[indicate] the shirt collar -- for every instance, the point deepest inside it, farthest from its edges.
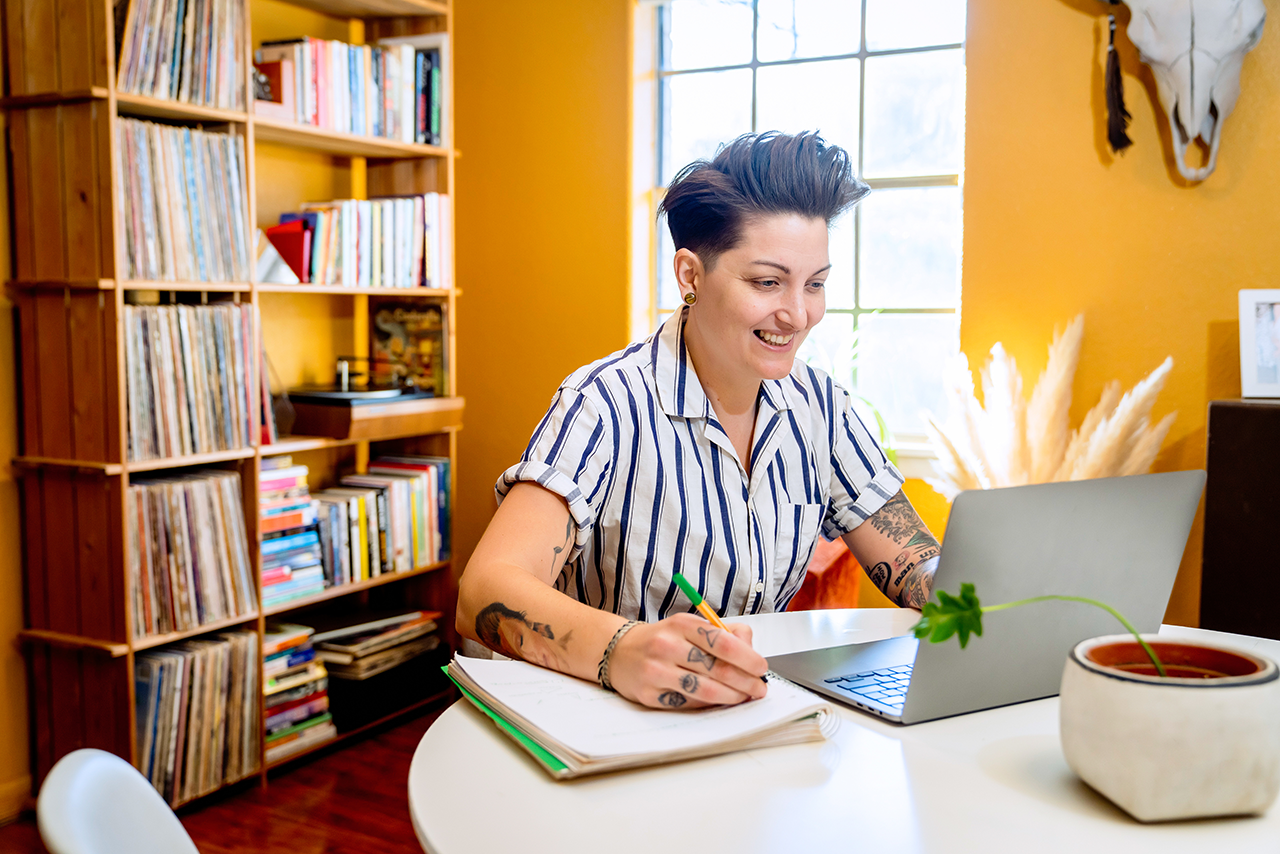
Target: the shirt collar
(679, 390)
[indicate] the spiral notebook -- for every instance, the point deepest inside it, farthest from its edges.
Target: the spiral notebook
(574, 728)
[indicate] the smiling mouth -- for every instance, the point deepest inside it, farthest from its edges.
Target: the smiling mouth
(773, 338)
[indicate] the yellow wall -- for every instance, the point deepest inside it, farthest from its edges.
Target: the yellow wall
(542, 116)
(1055, 226)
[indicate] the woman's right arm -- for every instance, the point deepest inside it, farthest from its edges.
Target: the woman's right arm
(506, 601)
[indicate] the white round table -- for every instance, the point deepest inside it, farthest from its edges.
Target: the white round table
(990, 781)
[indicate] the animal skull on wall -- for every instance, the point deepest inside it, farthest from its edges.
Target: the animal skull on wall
(1195, 49)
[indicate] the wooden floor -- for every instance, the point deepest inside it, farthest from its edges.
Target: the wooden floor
(350, 801)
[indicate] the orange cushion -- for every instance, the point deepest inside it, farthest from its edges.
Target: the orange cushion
(831, 580)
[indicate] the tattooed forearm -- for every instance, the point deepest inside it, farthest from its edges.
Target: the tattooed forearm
(673, 699)
(697, 656)
(513, 634)
(918, 585)
(879, 575)
(897, 519)
(922, 537)
(689, 683)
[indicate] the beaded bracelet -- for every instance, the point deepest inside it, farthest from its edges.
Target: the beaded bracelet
(602, 672)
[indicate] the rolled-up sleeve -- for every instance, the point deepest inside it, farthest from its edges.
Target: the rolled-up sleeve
(570, 454)
(862, 478)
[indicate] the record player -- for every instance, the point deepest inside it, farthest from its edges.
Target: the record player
(356, 406)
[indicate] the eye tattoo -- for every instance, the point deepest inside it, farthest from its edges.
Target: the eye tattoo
(689, 683)
(674, 699)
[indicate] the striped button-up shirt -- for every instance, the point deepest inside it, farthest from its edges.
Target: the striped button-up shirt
(654, 485)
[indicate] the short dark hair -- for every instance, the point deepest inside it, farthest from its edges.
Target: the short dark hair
(489, 623)
(709, 202)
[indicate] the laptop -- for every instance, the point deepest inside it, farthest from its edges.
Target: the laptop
(1118, 540)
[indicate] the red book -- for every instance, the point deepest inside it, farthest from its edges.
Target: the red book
(292, 241)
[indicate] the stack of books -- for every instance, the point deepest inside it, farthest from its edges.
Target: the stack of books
(183, 50)
(187, 371)
(360, 651)
(395, 242)
(296, 691)
(197, 722)
(291, 549)
(393, 91)
(187, 552)
(183, 203)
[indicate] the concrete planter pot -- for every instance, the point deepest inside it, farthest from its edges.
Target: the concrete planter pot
(1204, 742)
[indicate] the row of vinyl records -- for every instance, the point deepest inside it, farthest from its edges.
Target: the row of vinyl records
(381, 243)
(188, 549)
(393, 519)
(391, 90)
(182, 50)
(186, 372)
(197, 714)
(183, 202)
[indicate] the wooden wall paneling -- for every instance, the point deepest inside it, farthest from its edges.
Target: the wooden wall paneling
(39, 27)
(85, 208)
(93, 410)
(39, 701)
(27, 370)
(23, 223)
(61, 530)
(103, 686)
(67, 712)
(52, 389)
(98, 573)
(48, 246)
(37, 575)
(78, 50)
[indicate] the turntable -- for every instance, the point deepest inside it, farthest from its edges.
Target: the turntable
(357, 407)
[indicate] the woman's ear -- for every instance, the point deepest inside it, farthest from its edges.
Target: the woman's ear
(689, 273)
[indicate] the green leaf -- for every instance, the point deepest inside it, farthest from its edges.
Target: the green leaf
(951, 615)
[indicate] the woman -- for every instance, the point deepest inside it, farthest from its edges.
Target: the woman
(707, 450)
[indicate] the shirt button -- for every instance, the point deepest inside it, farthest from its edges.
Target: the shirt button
(759, 586)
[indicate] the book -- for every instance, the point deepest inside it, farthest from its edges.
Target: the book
(365, 667)
(575, 728)
(345, 649)
(408, 337)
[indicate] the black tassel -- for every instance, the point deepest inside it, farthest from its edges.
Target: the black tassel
(1117, 116)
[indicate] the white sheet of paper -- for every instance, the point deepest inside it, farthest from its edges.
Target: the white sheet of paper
(599, 723)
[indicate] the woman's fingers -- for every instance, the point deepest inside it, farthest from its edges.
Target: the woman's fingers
(684, 662)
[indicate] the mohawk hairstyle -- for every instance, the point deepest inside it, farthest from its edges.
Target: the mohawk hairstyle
(757, 174)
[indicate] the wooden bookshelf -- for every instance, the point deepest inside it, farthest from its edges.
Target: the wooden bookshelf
(70, 282)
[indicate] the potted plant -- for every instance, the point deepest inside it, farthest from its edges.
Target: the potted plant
(1163, 729)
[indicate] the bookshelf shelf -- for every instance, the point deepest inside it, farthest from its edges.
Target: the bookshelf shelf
(374, 8)
(438, 697)
(152, 641)
(353, 587)
(89, 337)
(334, 142)
(423, 293)
(141, 105)
(199, 287)
(191, 460)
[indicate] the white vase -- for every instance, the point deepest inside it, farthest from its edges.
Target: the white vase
(1173, 748)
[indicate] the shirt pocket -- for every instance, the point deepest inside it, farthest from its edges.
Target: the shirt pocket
(798, 526)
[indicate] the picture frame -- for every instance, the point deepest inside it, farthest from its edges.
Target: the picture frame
(1260, 343)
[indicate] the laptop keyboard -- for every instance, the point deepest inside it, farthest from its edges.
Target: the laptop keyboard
(887, 686)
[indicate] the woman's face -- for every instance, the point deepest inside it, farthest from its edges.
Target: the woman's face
(758, 303)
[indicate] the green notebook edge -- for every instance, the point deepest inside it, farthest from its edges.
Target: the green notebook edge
(548, 759)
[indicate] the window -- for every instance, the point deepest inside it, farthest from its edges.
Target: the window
(885, 80)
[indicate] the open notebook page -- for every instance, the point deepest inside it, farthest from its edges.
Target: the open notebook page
(598, 723)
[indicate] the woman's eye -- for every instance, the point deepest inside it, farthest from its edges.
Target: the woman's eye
(767, 283)
(817, 285)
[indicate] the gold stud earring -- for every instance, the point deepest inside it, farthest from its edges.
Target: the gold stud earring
(690, 298)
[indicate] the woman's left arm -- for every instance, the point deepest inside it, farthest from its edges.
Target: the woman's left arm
(897, 552)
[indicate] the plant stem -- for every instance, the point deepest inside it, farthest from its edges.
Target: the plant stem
(1151, 653)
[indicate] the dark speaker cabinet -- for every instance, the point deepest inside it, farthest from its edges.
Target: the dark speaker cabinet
(1240, 580)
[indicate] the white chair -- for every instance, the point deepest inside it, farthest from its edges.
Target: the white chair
(93, 802)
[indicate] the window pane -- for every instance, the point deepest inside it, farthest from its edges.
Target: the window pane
(703, 33)
(915, 114)
(704, 111)
(811, 96)
(893, 24)
(830, 347)
(794, 29)
(900, 363)
(911, 248)
(668, 291)
(840, 251)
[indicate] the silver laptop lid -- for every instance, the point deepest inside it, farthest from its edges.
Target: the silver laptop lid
(1119, 540)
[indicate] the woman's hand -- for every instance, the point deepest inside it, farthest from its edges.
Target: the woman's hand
(685, 662)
